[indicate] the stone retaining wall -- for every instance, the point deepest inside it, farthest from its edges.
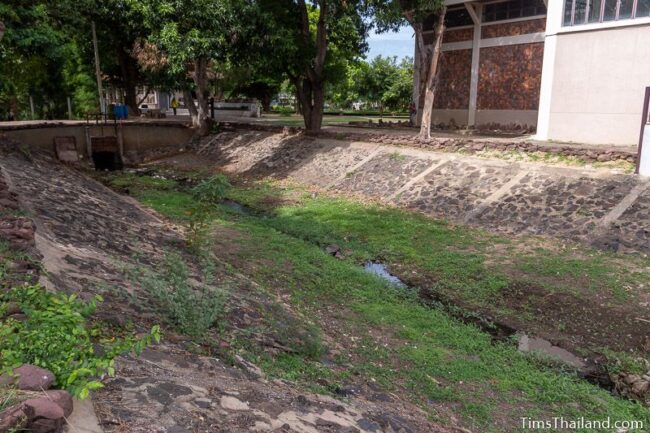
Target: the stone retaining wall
(606, 209)
(464, 145)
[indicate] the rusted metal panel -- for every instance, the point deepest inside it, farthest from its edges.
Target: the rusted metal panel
(66, 149)
(104, 144)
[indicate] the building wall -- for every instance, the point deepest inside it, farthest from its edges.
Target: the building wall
(509, 71)
(455, 76)
(514, 28)
(598, 85)
(510, 77)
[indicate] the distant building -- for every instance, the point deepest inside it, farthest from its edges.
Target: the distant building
(575, 69)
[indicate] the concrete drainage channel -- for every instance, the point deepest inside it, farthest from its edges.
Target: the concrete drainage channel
(586, 369)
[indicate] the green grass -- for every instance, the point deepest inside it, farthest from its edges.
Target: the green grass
(555, 158)
(461, 357)
(133, 180)
(429, 355)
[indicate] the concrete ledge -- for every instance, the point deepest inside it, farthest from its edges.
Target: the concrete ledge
(455, 144)
(139, 138)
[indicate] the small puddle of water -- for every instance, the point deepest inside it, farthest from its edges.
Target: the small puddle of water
(379, 269)
(526, 343)
(530, 344)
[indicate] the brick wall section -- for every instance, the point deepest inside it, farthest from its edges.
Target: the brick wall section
(513, 29)
(455, 77)
(510, 77)
(458, 35)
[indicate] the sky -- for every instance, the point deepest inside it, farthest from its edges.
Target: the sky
(400, 44)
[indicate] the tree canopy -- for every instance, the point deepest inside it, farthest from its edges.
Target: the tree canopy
(206, 48)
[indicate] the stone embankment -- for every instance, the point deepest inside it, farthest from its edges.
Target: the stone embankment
(37, 408)
(598, 206)
(466, 145)
(88, 235)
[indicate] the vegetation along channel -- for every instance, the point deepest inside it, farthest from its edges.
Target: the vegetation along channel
(415, 296)
(324, 216)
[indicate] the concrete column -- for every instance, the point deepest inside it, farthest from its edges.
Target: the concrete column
(31, 106)
(416, 76)
(89, 147)
(553, 25)
(476, 14)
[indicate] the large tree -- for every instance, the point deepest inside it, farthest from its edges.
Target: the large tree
(119, 28)
(39, 62)
(395, 13)
(307, 41)
(193, 35)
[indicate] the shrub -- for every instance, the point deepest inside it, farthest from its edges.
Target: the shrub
(207, 194)
(190, 308)
(212, 190)
(56, 336)
(283, 110)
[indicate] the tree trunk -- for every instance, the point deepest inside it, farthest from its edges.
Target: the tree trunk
(202, 122)
(431, 76)
(189, 104)
(312, 90)
(417, 63)
(144, 98)
(304, 93)
(317, 109)
(421, 63)
(130, 78)
(265, 100)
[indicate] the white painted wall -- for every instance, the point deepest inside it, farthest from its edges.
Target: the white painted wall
(597, 85)
(507, 117)
(446, 116)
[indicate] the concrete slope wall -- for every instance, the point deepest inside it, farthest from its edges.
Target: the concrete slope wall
(610, 211)
(138, 138)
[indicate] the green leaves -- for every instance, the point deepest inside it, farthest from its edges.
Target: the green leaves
(212, 190)
(56, 336)
(188, 306)
(189, 29)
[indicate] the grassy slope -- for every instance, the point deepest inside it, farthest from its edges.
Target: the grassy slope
(405, 347)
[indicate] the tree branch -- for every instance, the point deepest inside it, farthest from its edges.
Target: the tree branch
(146, 94)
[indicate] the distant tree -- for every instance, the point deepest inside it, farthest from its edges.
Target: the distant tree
(374, 81)
(307, 42)
(399, 93)
(38, 58)
(382, 82)
(193, 35)
(119, 25)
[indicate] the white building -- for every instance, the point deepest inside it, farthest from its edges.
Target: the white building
(575, 69)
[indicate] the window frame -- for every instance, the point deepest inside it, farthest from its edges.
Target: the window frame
(601, 16)
(520, 17)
